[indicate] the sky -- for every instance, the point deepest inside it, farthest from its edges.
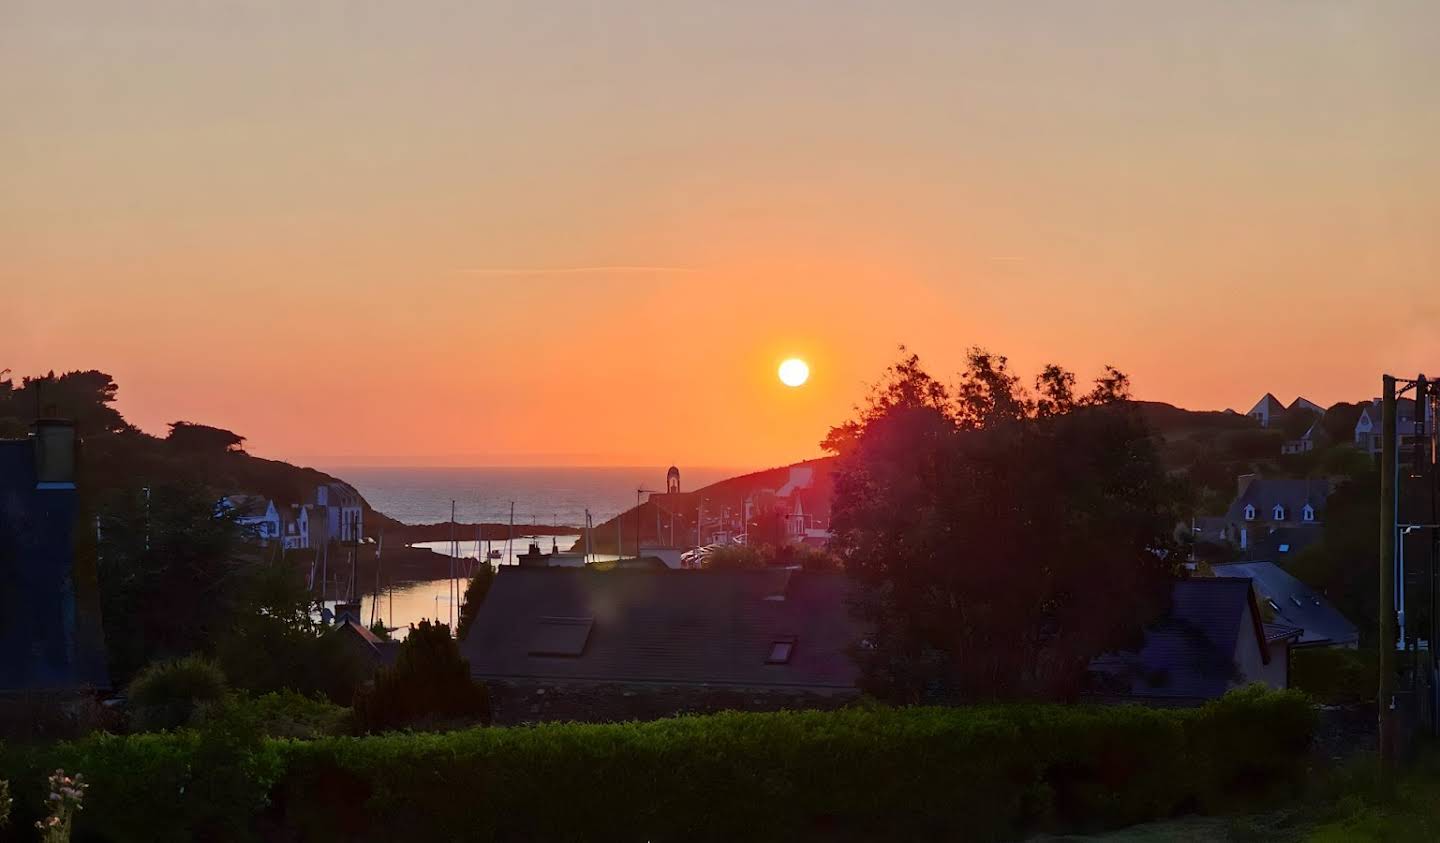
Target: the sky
(576, 233)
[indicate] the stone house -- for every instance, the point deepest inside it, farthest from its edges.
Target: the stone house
(575, 644)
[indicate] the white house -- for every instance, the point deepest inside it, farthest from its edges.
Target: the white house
(256, 515)
(1368, 429)
(344, 511)
(1266, 410)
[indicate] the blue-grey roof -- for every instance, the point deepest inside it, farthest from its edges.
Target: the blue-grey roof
(1190, 653)
(1284, 542)
(663, 626)
(1264, 493)
(1295, 603)
(41, 646)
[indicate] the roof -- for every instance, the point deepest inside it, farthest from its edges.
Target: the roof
(248, 505)
(1264, 493)
(1282, 543)
(682, 627)
(1190, 653)
(1268, 404)
(1303, 403)
(1295, 603)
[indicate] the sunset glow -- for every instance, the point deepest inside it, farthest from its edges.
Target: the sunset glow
(549, 234)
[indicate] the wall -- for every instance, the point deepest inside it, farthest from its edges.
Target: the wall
(514, 702)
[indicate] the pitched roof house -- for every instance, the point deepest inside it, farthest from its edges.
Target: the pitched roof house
(50, 637)
(1295, 604)
(1266, 410)
(1213, 639)
(1264, 505)
(676, 635)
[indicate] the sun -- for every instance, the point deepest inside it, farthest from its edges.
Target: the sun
(794, 372)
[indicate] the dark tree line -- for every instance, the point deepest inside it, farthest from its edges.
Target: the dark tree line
(1003, 536)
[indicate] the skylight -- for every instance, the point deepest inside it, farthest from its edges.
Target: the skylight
(780, 651)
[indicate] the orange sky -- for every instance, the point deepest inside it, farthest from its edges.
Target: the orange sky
(559, 233)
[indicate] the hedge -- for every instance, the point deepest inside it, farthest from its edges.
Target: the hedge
(977, 773)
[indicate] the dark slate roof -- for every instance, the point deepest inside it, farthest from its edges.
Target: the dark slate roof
(1263, 493)
(1296, 604)
(49, 631)
(1284, 542)
(1190, 653)
(686, 627)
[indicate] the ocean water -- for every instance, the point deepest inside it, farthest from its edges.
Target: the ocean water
(542, 495)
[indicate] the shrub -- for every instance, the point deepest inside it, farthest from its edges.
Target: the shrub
(4, 803)
(866, 772)
(286, 714)
(167, 695)
(429, 682)
(1336, 676)
(43, 716)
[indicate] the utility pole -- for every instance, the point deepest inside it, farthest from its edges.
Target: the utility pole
(1389, 487)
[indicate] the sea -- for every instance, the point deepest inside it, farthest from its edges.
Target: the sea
(542, 495)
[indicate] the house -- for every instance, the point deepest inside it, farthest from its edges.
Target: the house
(575, 644)
(1266, 410)
(365, 646)
(1301, 403)
(255, 514)
(1313, 438)
(1369, 430)
(344, 511)
(802, 504)
(1295, 604)
(304, 527)
(50, 635)
(1213, 639)
(1263, 505)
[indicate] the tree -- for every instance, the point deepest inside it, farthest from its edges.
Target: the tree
(203, 439)
(475, 592)
(736, 558)
(429, 682)
(168, 570)
(1001, 540)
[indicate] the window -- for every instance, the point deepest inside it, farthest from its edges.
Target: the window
(1284, 548)
(563, 637)
(1308, 513)
(1278, 513)
(780, 651)
(1249, 512)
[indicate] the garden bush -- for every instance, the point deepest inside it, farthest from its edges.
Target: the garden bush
(979, 773)
(1336, 676)
(168, 694)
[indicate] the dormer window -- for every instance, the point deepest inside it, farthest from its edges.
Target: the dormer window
(1278, 513)
(1249, 512)
(1308, 513)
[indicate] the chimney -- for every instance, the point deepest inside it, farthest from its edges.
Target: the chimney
(54, 453)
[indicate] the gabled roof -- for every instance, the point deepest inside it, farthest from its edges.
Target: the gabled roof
(1268, 404)
(1190, 653)
(1284, 543)
(1293, 494)
(681, 627)
(1303, 403)
(1295, 604)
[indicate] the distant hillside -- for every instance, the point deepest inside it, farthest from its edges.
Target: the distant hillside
(117, 456)
(655, 517)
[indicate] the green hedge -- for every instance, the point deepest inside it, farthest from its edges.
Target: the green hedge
(992, 772)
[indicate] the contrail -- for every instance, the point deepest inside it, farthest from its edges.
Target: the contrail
(575, 270)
